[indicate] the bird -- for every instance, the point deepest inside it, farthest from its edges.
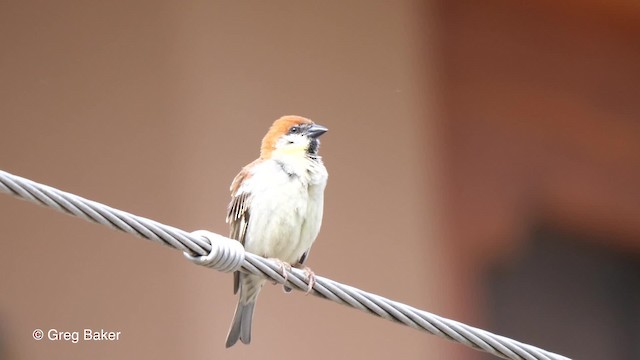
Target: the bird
(276, 208)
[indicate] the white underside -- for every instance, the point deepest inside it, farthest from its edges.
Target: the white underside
(292, 204)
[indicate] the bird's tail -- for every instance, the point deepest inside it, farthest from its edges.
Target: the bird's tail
(241, 325)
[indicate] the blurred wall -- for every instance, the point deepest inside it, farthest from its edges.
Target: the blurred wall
(153, 107)
(542, 166)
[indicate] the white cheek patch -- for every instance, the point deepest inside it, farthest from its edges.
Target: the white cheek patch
(293, 143)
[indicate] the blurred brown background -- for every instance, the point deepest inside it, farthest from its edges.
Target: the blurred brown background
(484, 163)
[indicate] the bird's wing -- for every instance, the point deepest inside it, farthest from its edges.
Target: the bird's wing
(238, 216)
(238, 212)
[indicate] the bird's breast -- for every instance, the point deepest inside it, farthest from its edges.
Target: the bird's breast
(286, 212)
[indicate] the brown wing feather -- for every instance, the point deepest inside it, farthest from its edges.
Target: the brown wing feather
(238, 213)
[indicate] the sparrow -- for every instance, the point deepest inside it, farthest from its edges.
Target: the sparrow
(276, 208)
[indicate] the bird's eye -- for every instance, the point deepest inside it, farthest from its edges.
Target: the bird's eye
(294, 130)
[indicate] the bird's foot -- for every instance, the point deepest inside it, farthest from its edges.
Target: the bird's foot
(311, 279)
(284, 269)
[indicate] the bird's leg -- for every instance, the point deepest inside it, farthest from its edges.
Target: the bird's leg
(311, 278)
(284, 268)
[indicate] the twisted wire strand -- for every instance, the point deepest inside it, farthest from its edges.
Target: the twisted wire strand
(223, 254)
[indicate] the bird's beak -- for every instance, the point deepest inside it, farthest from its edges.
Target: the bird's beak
(316, 130)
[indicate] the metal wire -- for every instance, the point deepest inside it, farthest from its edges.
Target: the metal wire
(224, 254)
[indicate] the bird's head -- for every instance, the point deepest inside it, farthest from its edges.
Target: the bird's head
(292, 135)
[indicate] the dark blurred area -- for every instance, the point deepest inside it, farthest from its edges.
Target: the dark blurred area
(484, 162)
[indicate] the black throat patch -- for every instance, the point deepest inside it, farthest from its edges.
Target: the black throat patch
(314, 145)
